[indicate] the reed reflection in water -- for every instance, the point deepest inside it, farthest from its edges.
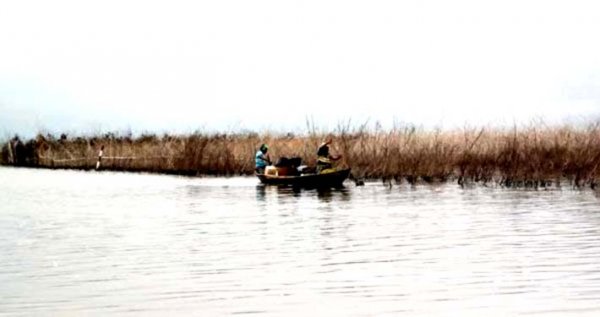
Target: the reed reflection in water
(133, 244)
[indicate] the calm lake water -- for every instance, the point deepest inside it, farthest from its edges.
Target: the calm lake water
(85, 243)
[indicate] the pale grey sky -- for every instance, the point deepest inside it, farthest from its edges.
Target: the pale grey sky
(85, 66)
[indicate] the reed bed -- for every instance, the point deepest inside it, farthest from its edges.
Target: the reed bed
(535, 155)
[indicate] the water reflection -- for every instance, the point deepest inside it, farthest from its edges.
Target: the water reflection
(329, 194)
(326, 195)
(261, 193)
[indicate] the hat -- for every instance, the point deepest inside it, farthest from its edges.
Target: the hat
(326, 142)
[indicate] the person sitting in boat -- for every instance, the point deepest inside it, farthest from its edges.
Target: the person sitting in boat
(324, 159)
(262, 159)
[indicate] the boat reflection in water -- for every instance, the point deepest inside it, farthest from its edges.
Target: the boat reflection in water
(324, 194)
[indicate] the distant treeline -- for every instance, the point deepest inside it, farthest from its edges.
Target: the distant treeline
(535, 155)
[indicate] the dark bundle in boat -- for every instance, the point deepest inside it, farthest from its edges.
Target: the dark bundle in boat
(288, 166)
(289, 162)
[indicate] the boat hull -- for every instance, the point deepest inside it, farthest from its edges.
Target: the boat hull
(328, 180)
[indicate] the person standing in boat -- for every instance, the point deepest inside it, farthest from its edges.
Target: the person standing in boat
(262, 159)
(100, 153)
(324, 159)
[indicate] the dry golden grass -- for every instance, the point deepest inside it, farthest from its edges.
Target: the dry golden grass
(525, 156)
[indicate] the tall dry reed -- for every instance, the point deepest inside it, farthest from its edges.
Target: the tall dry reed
(534, 155)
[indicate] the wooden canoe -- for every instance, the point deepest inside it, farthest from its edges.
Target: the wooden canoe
(325, 180)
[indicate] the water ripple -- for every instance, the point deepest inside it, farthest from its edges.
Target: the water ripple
(133, 244)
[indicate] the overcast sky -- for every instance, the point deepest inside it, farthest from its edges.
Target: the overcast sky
(85, 66)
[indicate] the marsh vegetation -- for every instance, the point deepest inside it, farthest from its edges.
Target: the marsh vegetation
(535, 155)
